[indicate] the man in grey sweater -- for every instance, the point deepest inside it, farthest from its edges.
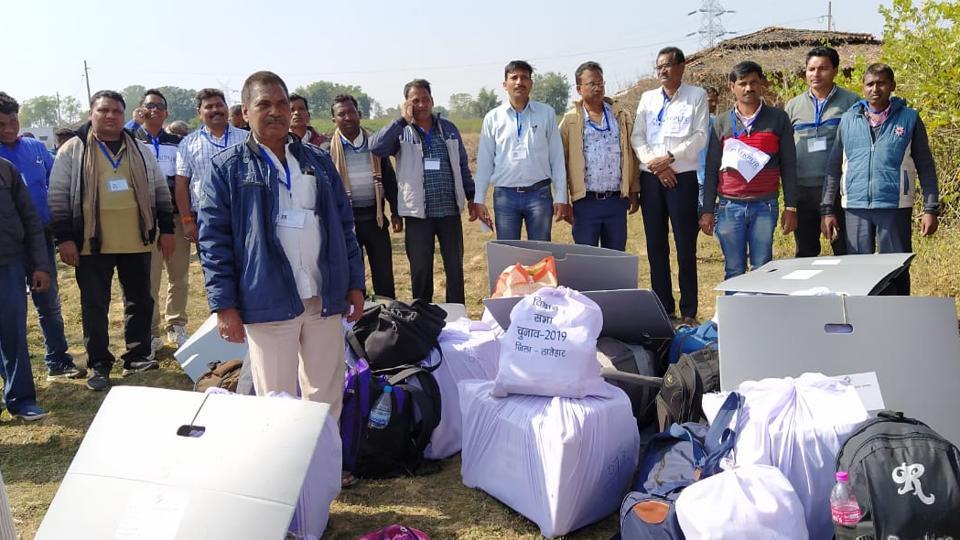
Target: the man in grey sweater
(815, 116)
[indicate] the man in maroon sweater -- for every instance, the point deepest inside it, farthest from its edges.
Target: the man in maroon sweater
(750, 155)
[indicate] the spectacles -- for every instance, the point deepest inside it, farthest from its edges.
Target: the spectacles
(594, 85)
(158, 106)
(665, 66)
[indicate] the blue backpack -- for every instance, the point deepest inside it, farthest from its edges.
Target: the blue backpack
(398, 448)
(690, 339)
(673, 460)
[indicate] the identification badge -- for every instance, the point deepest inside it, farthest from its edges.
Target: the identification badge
(677, 120)
(431, 164)
(747, 160)
(291, 218)
(817, 144)
(518, 154)
(119, 184)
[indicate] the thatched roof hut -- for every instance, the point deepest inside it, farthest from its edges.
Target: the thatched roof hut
(781, 51)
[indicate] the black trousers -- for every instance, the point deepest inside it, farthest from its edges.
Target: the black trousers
(677, 206)
(94, 278)
(419, 241)
(375, 242)
(807, 235)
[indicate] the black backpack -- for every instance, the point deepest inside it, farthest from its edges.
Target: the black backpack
(681, 396)
(398, 448)
(906, 478)
(396, 334)
(634, 368)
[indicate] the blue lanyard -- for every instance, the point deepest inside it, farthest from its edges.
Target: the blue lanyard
(106, 152)
(666, 101)
(286, 169)
(818, 109)
(427, 135)
(606, 121)
(351, 146)
(746, 126)
(226, 138)
(156, 144)
(519, 124)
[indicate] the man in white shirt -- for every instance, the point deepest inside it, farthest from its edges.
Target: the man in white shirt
(195, 152)
(669, 132)
(300, 270)
(521, 155)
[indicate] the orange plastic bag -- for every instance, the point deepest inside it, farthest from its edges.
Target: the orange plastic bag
(519, 280)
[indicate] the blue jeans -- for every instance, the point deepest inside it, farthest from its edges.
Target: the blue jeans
(18, 390)
(51, 319)
(511, 208)
(745, 228)
(601, 222)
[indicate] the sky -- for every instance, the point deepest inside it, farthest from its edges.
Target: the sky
(378, 45)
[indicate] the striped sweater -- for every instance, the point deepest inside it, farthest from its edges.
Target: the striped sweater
(771, 133)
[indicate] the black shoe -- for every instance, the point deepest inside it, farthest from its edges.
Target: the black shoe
(66, 372)
(139, 365)
(98, 382)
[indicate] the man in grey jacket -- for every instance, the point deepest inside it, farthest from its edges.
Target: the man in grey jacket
(815, 116)
(108, 200)
(22, 246)
(434, 184)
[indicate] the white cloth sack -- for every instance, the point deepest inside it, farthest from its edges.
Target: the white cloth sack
(563, 463)
(470, 351)
(550, 348)
(753, 501)
(797, 425)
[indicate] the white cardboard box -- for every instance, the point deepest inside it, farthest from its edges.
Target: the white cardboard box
(204, 346)
(135, 477)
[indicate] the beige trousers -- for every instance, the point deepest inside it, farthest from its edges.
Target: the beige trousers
(307, 350)
(178, 282)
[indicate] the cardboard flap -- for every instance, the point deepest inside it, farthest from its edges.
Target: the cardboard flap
(910, 342)
(628, 314)
(133, 467)
(204, 346)
(584, 268)
(855, 275)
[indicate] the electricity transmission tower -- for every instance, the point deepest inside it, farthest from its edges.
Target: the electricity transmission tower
(711, 27)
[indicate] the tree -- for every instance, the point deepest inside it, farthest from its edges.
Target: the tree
(440, 110)
(71, 111)
(553, 89)
(462, 105)
(487, 100)
(181, 102)
(40, 111)
(131, 96)
(320, 95)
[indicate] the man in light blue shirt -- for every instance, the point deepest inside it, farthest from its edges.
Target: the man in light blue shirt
(521, 155)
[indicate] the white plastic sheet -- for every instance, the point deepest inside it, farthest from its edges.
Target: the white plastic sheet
(797, 425)
(470, 351)
(563, 463)
(550, 348)
(752, 501)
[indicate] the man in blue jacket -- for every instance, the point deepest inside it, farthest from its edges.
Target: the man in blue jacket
(880, 152)
(279, 255)
(34, 162)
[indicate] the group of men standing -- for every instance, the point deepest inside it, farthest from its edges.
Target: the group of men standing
(281, 225)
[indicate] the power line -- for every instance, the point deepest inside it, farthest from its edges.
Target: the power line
(711, 25)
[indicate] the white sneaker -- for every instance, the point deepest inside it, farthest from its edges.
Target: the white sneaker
(177, 335)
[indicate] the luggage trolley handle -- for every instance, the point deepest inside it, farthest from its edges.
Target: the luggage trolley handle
(615, 375)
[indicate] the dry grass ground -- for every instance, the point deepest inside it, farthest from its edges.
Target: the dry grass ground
(34, 458)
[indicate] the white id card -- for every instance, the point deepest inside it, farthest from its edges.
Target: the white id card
(817, 144)
(291, 218)
(431, 164)
(747, 160)
(518, 154)
(118, 184)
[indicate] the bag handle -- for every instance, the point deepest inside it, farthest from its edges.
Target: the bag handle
(678, 431)
(722, 434)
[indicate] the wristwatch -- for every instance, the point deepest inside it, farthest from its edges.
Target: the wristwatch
(790, 209)
(672, 159)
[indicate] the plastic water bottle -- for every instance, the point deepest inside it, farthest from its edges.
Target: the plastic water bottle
(843, 503)
(380, 415)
